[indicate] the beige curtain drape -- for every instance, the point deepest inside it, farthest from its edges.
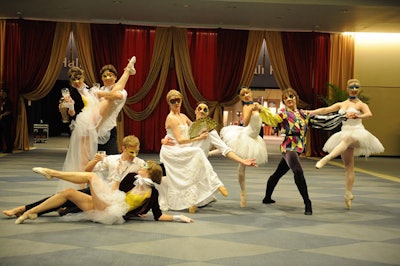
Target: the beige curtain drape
(341, 66)
(83, 42)
(277, 57)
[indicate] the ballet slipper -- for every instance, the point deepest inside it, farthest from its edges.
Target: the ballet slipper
(192, 209)
(131, 66)
(18, 211)
(42, 171)
(223, 191)
(348, 199)
(243, 199)
(321, 163)
(23, 217)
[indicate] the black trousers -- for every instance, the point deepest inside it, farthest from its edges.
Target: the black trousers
(291, 161)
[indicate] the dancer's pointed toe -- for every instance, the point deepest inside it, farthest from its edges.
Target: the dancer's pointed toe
(131, 65)
(23, 217)
(348, 199)
(321, 163)
(42, 171)
(223, 191)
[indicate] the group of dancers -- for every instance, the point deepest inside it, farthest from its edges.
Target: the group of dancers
(185, 178)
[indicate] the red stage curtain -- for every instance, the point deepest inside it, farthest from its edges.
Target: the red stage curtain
(217, 59)
(298, 48)
(231, 50)
(27, 63)
(139, 41)
(26, 57)
(307, 60)
(203, 49)
(321, 59)
(107, 42)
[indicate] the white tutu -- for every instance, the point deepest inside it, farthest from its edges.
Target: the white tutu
(368, 143)
(246, 141)
(113, 214)
(190, 177)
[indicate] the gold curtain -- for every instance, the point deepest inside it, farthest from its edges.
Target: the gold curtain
(277, 57)
(60, 44)
(254, 44)
(83, 42)
(341, 66)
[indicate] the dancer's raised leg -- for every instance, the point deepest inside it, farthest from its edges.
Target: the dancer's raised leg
(128, 71)
(74, 177)
(338, 150)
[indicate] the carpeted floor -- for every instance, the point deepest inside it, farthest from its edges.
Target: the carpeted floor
(224, 233)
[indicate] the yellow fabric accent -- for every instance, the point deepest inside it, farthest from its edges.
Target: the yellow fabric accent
(269, 118)
(135, 200)
(84, 100)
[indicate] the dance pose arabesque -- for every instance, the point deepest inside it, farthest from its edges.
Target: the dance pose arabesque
(353, 139)
(95, 120)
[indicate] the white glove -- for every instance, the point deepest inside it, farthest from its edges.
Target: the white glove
(70, 104)
(182, 218)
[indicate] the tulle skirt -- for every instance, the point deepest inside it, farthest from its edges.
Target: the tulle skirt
(368, 143)
(113, 214)
(245, 141)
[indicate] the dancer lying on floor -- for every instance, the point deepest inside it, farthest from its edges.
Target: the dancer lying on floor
(106, 204)
(112, 168)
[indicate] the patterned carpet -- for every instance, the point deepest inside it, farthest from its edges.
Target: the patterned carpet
(224, 233)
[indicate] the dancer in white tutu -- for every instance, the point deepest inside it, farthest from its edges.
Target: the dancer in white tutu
(190, 178)
(95, 121)
(353, 139)
(246, 141)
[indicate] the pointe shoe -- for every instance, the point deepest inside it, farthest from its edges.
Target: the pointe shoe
(131, 66)
(192, 209)
(23, 217)
(348, 199)
(223, 191)
(243, 199)
(42, 171)
(321, 163)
